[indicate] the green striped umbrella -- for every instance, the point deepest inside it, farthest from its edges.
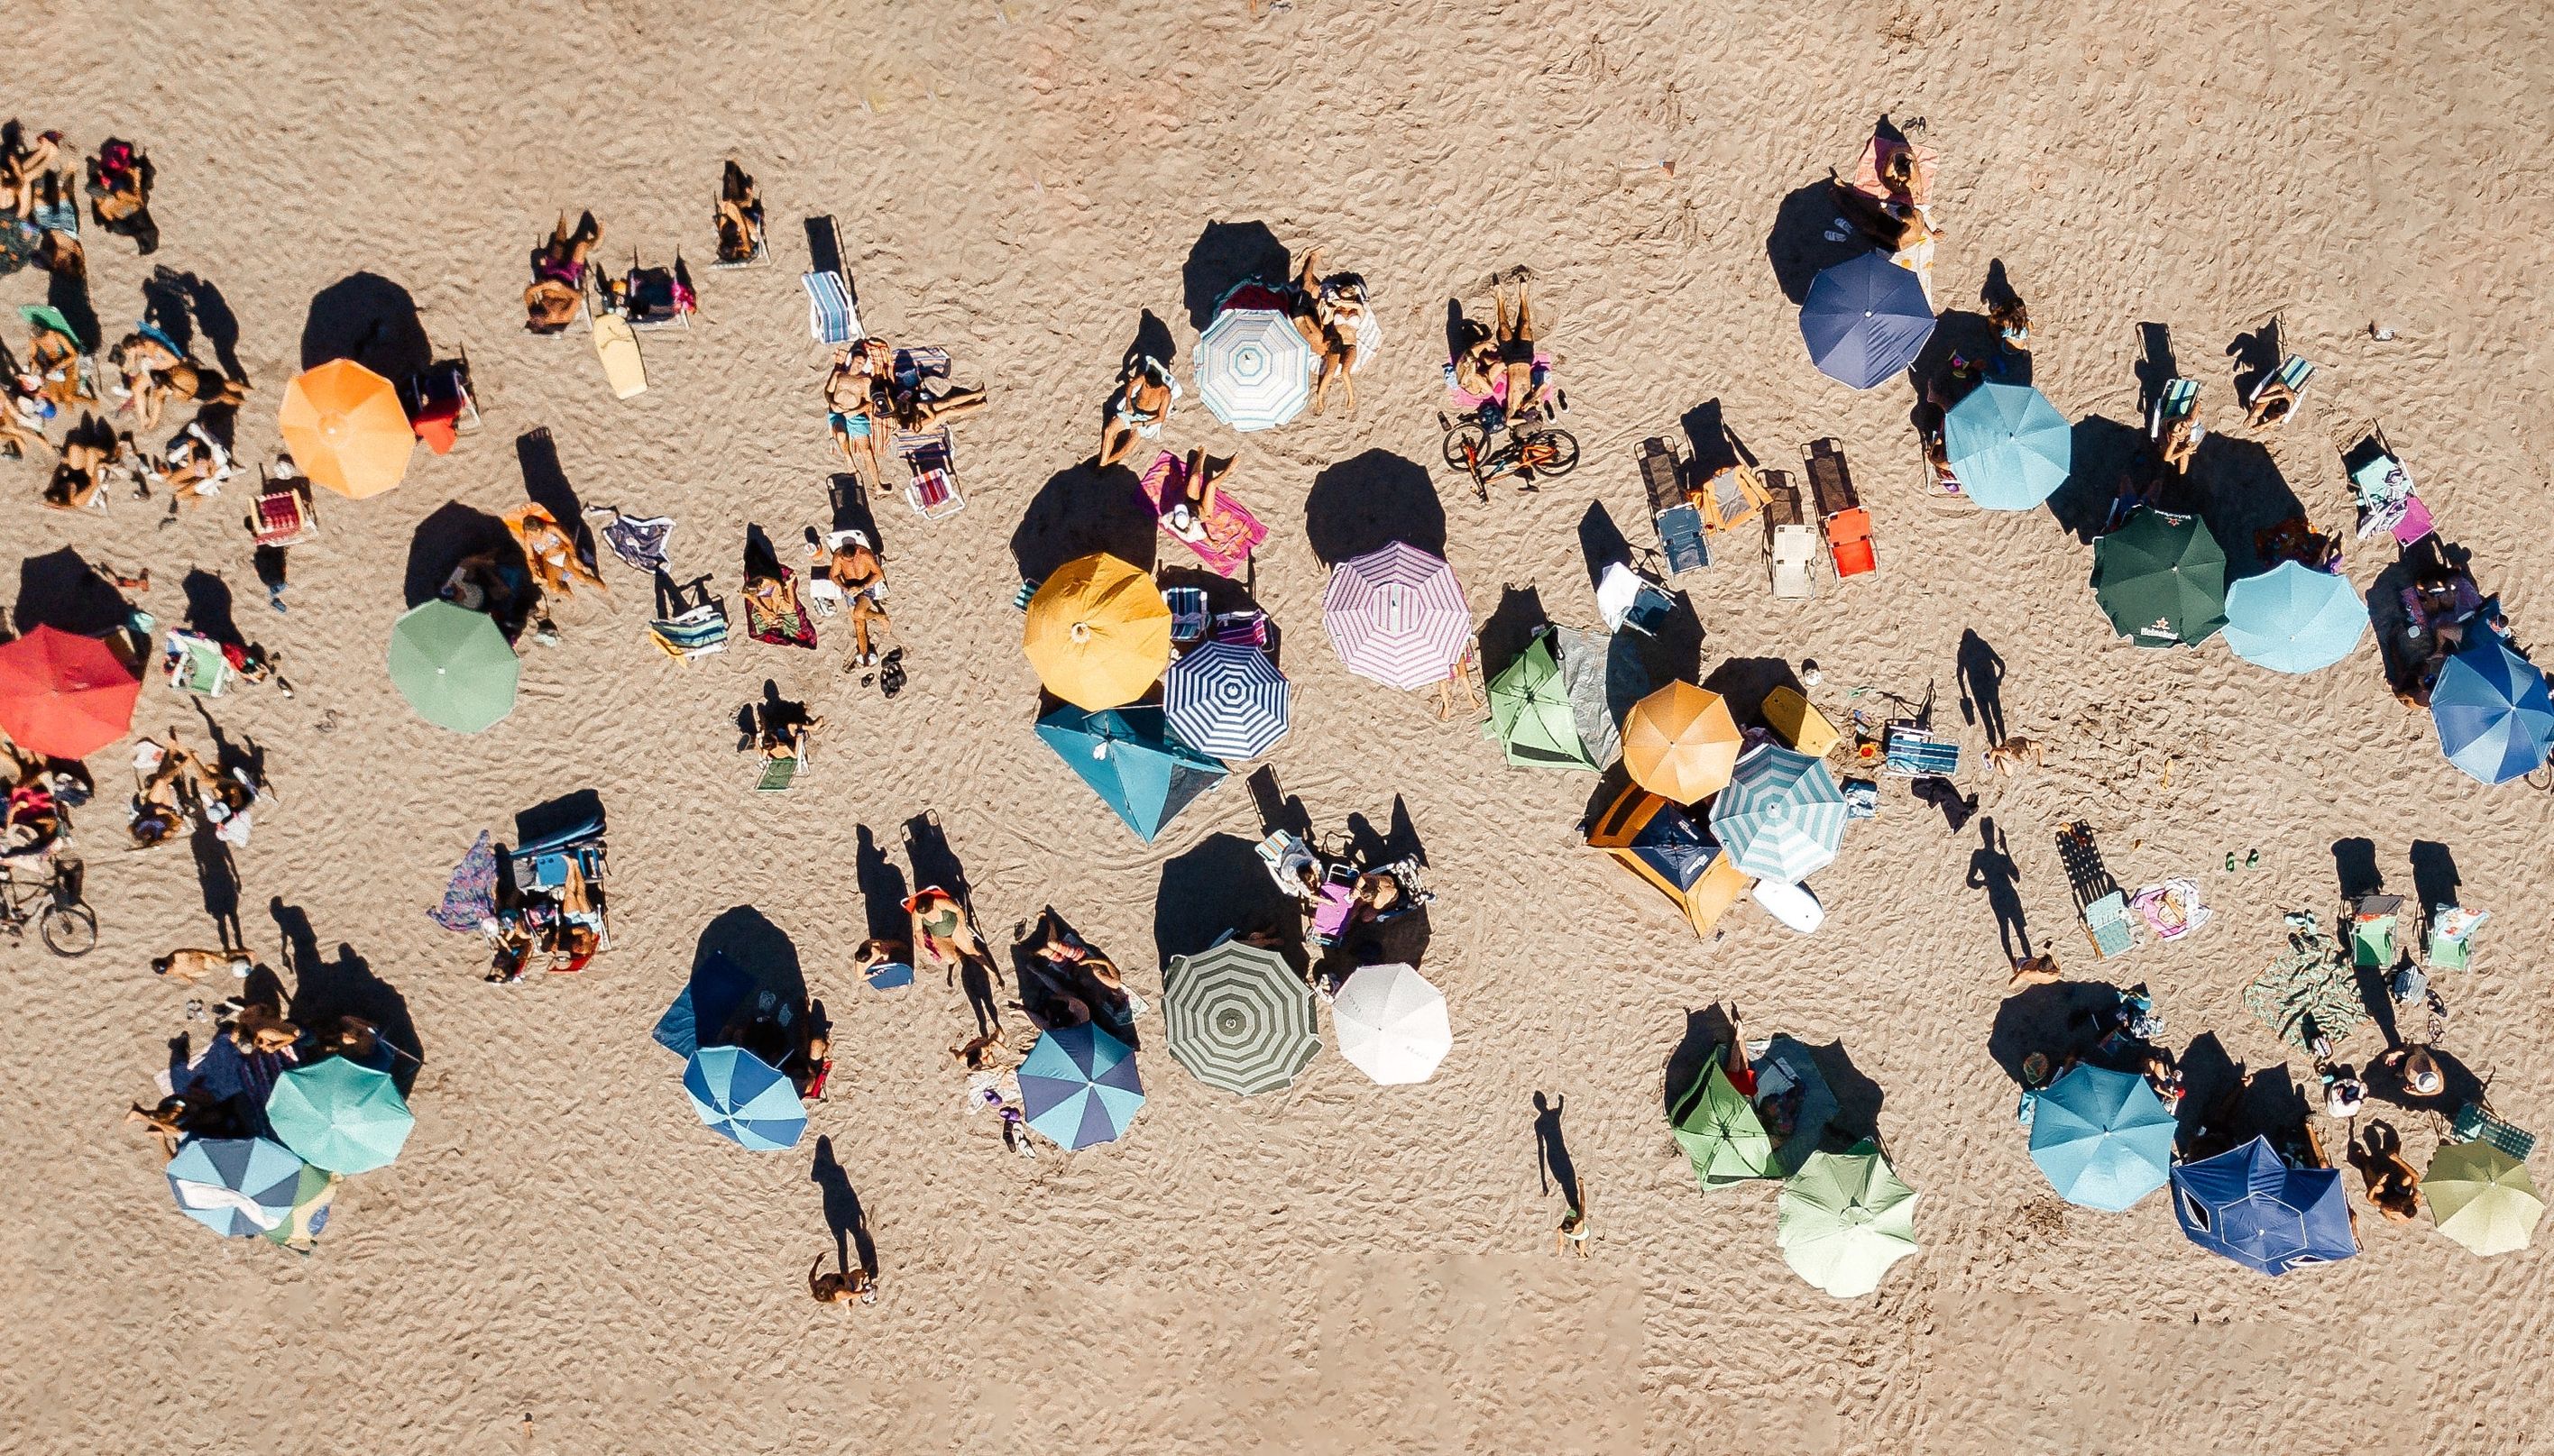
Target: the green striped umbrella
(453, 666)
(1240, 1018)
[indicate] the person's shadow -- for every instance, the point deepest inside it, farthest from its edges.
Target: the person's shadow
(883, 889)
(844, 1217)
(1981, 675)
(218, 877)
(1551, 1154)
(1991, 868)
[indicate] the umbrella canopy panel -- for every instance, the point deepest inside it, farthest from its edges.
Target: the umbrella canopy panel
(2483, 1197)
(1680, 743)
(1097, 632)
(1865, 320)
(2102, 1138)
(1531, 712)
(1719, 1129)
(1132, 761)
(339, 1115)
(236, 1187)
(1843, 1219)
(745, 1100)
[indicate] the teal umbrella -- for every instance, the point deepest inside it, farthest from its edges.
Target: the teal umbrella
(2009, 446)
(2294, 618)
(2103, 1138)
(339, 1115)
(453, 666)
(1131, 758)
(745, 1100)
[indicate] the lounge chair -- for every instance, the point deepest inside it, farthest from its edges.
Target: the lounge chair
(1029, 589)
(446, 408)
(1792, 545)
(658, 297)
(282, 515)
(1734, 495)
(2474, 1123)
(1629, 599)
(776, 776)
(933, 492)
(2451, 927)
(1848, 525)
(762, 251)
(2178, 399)
(695, 634)
(1231, 532)
(2386, 499)
(2291, 375)
(833, 317)
(1246, 629)
(1678, 520)
(197, 664)
(1189, 616)
(2372, 919)
(2107, 924)
(1915, 752)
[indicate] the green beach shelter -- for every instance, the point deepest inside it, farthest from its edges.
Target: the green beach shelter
(1844, 1218)
(1720, 1133)
(2482, 1198)
(339, 1115)
(453, 666)
(1531, 713)
(2161, 579)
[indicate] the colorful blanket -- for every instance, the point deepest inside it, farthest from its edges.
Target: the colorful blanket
(471, 895)
(1231, 532)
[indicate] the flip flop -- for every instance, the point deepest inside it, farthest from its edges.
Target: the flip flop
(891, 672)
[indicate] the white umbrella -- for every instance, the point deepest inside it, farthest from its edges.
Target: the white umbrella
(1391, 1024)
(1254, 370)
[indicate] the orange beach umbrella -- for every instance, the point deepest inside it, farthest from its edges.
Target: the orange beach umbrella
(346, 428)
(1099, 632)
(1680, 743)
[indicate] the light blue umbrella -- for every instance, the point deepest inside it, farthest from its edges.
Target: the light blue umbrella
(741, 1097)
(2494, 718)
(340, 1115)
(2009, 446)
(1254, 369)
(1865, 320)
(238, 1187)
(2102, 1137)
(1077, 1086)
(1131, 758)
(2294, 618)
(1782, 817)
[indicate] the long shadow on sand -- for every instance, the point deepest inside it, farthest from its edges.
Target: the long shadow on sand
(1225, 254)
(1080, 510)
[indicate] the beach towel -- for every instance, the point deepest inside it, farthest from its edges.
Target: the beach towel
(2312, 990)
(1231, 532)
(2171, 909)
(784, 622)
(639, 540)
(470, 896)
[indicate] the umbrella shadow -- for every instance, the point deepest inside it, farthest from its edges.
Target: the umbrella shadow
(2053, 1020)
(452, 534)
(2209, 1077)
(2109, 459)
(1960, 332)
(1706, 1031)
(1081, 511)
(1370, 500)
(1858, 1097)
(2400, 655)
(326, 989)
(2240, 495)
(1800, 246)
(1222, 886)
(748, 939)
(1511, 626)
(60, 591)
(370, 320)
(1743, 683)
(1225, 254)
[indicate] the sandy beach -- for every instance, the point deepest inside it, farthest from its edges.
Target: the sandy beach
(564, 1261)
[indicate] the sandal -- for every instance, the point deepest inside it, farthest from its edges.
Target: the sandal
(892, 673)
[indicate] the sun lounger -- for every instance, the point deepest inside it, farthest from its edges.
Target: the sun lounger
(778, 775)
(1628, 600)
(2387, 500)
(762, 251)
(1231, 532)
(2107, 924)
(197, 664)
(1790, 545)
(2292, 373)
(1733, 496)
(695, 634)
(1848, 525)
(1678, 519)
(2372, 921)
(2178, 399)
(933, 492)
(1914, 752)
(1246, 628)
(282, 515)
(831, 316)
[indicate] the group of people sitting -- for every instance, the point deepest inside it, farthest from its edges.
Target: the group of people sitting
(1339, 897)
(40, 199)
(42, 791)
(255, 1026)
(2128, 1037)
(175, 786)
(873, 389)
(2444, 610)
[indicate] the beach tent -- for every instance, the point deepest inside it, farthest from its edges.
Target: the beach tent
(1132, 761)
(1097, 632)
(346, 428)
(2482, 1198)
(1782, 817)
(1679, 742)
(2294, 618)
(63, 695)
(1225, 699)
(2009, 446)
(1238, 1018)
(1391, 1024)
(236, 1187)
(454, 666)
(1844, 1218)
(2102, 1137)
(745, 1100)
(2161, 579)
(1666, 847)
(1254, 368)
(2252, 1208)
(1605, 675)
(709, 1002)
(1531, 712)
(1397, 616)
(1077, 1086)
(339, 1115)
(1719, 1131)
(2494, 718)
(1865, 320)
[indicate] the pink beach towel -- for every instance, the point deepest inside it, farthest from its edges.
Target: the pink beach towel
(1232, 532)
(1465, 400)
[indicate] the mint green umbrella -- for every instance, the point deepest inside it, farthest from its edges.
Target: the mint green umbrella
(1844, 1218)
(1720, 1133)
(453, 666)
(339, 1115)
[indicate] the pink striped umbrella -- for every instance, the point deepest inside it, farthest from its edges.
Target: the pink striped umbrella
(1397, 616)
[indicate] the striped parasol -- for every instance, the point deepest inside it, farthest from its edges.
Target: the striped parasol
(1782, 817)
(1077, 1086)
(1254, 369)
(1398, 617)
(1226, 699)
(1240, 1018)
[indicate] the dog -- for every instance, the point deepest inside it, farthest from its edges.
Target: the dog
(2007, 758)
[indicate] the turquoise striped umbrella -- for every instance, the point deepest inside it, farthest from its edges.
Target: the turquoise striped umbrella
(1254, 370)
(745, 1100)
(1782, 817)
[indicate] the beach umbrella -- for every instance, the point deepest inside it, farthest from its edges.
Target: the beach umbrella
(2294, 618)
(2102, 1137)
(1077, 1086)
(2009, 446)
(1397, 616)
(300, 1226)
(1238, 1018)
(1719, 1130)
(236, 1187)
(1843, 1219)
(743, 1099)
(1782, 817)
(2482, 1198)
(1098, 633)
(1865, 320)
(2252, 1208)
(346, 428)
(1532, 714)
(2161, 579)
(1680, 743)
(1391, 1024)
(339, 1115)
(1793, 1100)
(2494, 718)
(1254, 368)
(46, 316)
(1131, 758)
(453, 666)
(1225, 699)
(63, 695)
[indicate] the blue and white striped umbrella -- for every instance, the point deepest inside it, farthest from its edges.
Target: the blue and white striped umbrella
(1782, 817)
(743, 1099)
(1254, 370)
(1225, 699)
(238, 1187)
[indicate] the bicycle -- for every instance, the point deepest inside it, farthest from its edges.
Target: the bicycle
(66, 925)
(1532, 448)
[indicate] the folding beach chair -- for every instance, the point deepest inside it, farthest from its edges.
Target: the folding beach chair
(2372, 919)
(762, 253)
(1733, 496)
(658, 297)
(695, 634)
(933, 492)
(1678, 519)
(1914, 752)
(197, 664)
(2108, 927)
(1628, 600)
(1793, 546)
(1848, 525)
(2474, 1123)
(2292, 373)
(1246, 629)
(1021, 598)
(778, 775)
(2450, 928)
(282, 515)
(1189, 616)
(832, 315)
(2386, 499)
(445, 406)
(2178, 399)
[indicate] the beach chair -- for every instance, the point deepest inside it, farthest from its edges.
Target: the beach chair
(1909, 751)
(1189, 616)
(697, 632)
(2292, 373)
(932, 491)
(762, 252)
(197, 664)
(2178, 399)
(282, 515)
(2474, 1123)
(1678, 520)
(1029, 589)
(833, 317)
(2372, 919)
(1629, 599)
(1791, 545)
(1246, 629)
(446, 408)
(2108, 927)
(2450, 928)
(1788, 714)
(776, 776)
(1734, 495)
(2386, 499)
(656, 297)
(1848, 525)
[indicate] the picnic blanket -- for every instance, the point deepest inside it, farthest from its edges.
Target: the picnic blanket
(639, 540)
(1231, 532)
(470, 897)
(2312, 989)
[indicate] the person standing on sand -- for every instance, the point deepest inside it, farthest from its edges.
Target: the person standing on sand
(1571, 1236)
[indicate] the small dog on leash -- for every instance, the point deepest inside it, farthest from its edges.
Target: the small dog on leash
(2007, 758)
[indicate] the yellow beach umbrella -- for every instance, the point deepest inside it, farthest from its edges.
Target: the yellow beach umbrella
(2482, 1198)
(346, 428)
(1680, 743)
(1099, 632)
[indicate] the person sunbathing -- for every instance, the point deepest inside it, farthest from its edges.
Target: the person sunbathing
(1377, 895)
(196, 461)
(2393, 1189)
(21, 162)
(855, 570)
(2271, 403)
(170, 1122)
(914, 409)
(558, 275)
(850, 410)
(1326, 313)
(192, 965)
(1475, 362)
(2178, 443)
(739, 216)
(23, 410)
(1138, 410)
(1515, 338)
(78, 475)
(119, 186)
(154, 375)
(53, 357)
(1199, 482)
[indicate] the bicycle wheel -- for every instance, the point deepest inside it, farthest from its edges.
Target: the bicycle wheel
(1555, 452)
(69, 930)
(1465, 444)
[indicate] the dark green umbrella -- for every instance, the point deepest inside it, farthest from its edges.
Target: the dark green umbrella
(2162, 578)
(453, 666)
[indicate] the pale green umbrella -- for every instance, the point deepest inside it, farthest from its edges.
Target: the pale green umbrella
(453, 666)
(1844, 1219)
(1720, 1132)
(339, 1115)
(2482, 1198)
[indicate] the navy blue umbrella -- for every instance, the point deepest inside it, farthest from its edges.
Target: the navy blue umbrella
(1865, 320)
(2252, 1208)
